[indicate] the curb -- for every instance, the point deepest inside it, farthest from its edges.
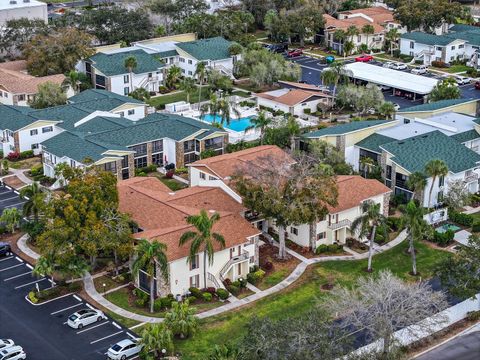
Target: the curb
(46, 302)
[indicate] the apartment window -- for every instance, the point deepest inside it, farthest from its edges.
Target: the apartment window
(72, 163)
(47, 129)
(121, 113)
(411, 53)
(441, 181)
(359, 38)
(190, 73)
(189, 62)
(440, 196)
(203, 176)
(157, 159)
(412, 45)
(189, 158)
(140, 162)
(21, 97)
(461, 46)
(389, 172)
(139, 149)
(149, 75)
(110, 167)
(125, 162)
(183, 71)
(33, 132)
(211, 178)
(180, 59)
(189, 146)
(126, 90)
(35, 146)
(194, 264)
(439, 48)
(131, 112)
(321, 236)
(157, 146)
(453, 47)
(126, 79)
(214, 144)
(294, 231)
(195, 281)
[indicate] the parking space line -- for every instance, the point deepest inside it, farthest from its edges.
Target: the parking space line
(11, 267)
(67, 308)
(10, 198)
(133, 337)
(106, 337)
(17, 276)
(20, 203)
(16, 257)
(30, 283)
(8, 187)
(116, 325)
(92, 327)
(7, 258)
(76, 297)
(29, 266)
(16, 192)
(91, 307)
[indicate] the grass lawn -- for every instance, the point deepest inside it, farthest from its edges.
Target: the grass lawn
(25, 164)
(273, 279)
(108, 281)
(120, 298)
(261, 34)
(161, 100)
(121, 320)
(241, 93)
(173, 184)
(456, 69)
(303, 294)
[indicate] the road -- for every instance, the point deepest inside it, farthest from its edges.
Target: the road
(465, 347)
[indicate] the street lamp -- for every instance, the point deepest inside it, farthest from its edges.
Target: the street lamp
(104, 286)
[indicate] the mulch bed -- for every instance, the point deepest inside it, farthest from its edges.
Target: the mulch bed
(14, 182)
(269, 253)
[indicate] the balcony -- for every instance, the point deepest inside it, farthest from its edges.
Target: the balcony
(252, 216)
(471, 177)
(235, 260)
(341, 224)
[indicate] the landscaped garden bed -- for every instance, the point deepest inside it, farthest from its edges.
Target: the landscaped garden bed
(111, 282)
(171, 183)
(38, 297)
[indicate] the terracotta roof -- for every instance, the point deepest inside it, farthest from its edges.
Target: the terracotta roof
(354, 189)
(227, 165)
(359, 22)
(14, 79)
(161, 213)
(300, 85)
(292, 97)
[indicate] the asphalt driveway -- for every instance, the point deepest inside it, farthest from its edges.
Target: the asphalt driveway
(10, 198)
(465, 347)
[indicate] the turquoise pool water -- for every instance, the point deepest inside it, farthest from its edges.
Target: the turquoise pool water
(446, 227)
(239, 124)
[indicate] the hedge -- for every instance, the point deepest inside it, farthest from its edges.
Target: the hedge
(443, 239)
(460, 218)
(255, 276)
(326, 249)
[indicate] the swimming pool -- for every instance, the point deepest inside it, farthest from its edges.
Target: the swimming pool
(239, 124)
(445, 227)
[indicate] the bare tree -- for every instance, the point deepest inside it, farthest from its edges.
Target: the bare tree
(384, 304)
(457, 195)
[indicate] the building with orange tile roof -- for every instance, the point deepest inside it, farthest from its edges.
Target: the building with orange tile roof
(161, 215)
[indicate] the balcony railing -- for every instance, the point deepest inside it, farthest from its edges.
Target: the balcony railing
(341, 224)
(235, 260)
(471, 177)
(214, 280)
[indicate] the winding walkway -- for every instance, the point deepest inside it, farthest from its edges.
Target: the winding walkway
(294, 276)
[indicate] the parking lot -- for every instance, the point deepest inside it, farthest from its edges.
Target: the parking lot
(9, 198)
(41, 329)
(312, 69)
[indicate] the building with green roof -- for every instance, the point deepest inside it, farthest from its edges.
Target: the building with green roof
(427, 110)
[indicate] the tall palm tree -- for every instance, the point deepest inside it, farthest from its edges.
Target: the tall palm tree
(72, 79)
(148, 257)
(352, 31)
(260, 122)
(45, 266)
(35, 197)
(76, 267)
(203, 239)
(155, 338)
(368, 29)
(392, 36)
(293, 129)
(348, 47)
(173, 74)
(188, 85)
(332, 75)
(435, 168)
(413, 221)
(227, 109)
(212, 107)
(200, 73)
(131, 64)
(366, 163)
(371, 217)
(417, 182)
(340, 36)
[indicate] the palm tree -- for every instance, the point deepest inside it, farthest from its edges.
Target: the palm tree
(293, 130)
(417, 182)
(181, 319)
(76, 267)
(188, 85)
(131, 64)
(371, 218)
(332, 75)
(366, 162)
(340, 36)
(260, 122)
(173, 74)
(200, 73)
(387, 109)
(435, 168)
(352, 31)
(35, 197)
(149, 257)
(155, 338)
(11, 217)
(45, 266)
(211, 107)
(203, 239)
(226, 108)
(72, 79)
(348, 47)
(392, 36)
(368, 29)
(413, 221)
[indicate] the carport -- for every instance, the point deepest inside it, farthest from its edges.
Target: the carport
(395, 79)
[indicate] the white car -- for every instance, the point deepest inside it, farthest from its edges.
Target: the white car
(85, 317)
(396, 106)
(5, 343)
(462, 80)
(398, 66)
(13, 353)
(124, 349)
(419, 70)
(388, 64)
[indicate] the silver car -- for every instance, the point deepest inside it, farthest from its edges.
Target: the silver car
(13, 353)
(124, 349)
(399, 66)
(85, 317)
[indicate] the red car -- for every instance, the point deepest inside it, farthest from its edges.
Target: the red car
(364, 58)
(295, 53)
(477, 85)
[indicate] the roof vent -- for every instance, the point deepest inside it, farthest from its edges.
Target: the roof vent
(211, 211)
(401, 143)
(424, 136)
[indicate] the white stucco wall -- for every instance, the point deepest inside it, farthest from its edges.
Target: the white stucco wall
(26, 139)
(30, 10)
(118, 84)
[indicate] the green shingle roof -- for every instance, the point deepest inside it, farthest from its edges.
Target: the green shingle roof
(65, 113)
(99, 94)
(15, 117)
(166, 54)
(437, 105)
(460, 31)
(464, 27)
(207, 49)
(98, 124)
(345, 128)
(412, 154)
(428, 39)
(373, 142)
(466, 136)
(114, 64)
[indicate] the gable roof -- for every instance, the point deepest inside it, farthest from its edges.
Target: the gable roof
(345, 128)
(354, 189)
(161, 213)
(413, 153)
(357, 21)
(114, 63)
(293, 96)
(466, 136)
(437, 105)
(15, 117)
(99, 94)
(374, 141)
(215, 48)
(429, 39)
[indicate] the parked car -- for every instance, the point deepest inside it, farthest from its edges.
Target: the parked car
(388, 64)
(419, 70)
(477, 85)
(295, 53)
(13, 353)
(399, 66)
(462, 80)
(85, 317)
(385, 88)
(364, 58)
(277, 48)
(5, 249)
(5, 343)
(396, 106)
(124, 349)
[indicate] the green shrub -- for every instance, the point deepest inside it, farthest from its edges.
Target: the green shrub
(476, 226)
(140, 294)
(36, 170)
(157, 304)
(307, 111)
(182, 170)
(75, 286)
(26, 154)
(242, 282)
(443, 239)
(460, 218)
(222, 294)
(394, 223)
(472, 72)
(255, 277)
(473, 315)
(235, 290)
(328, 249)
(207, 296)
(191, 299)
(195, 292)
(166, 302)
(140, 302)
(236, 283)
(32, 297)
